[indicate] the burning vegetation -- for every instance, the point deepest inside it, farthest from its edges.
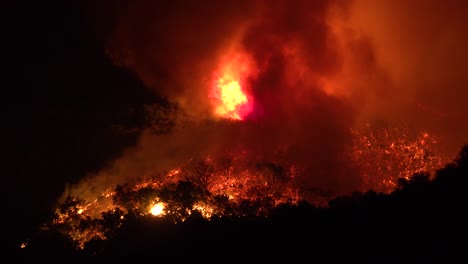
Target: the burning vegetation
(259, 113)
(266, 132)
(238, 180)
(212, 188)
(232, 185)
(387, 154)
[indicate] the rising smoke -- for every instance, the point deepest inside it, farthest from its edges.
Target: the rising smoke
(321, 67)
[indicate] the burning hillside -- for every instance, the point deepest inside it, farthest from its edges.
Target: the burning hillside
(234, 185)
(165, 124)
(263, 109)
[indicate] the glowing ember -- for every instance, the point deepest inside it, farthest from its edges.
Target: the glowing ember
(157, 209)
(228, 92)
(384, 155)
(206, 211)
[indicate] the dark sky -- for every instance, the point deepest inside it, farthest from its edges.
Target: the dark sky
(79, 72)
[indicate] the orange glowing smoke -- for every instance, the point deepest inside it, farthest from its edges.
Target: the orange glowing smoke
(229, 94)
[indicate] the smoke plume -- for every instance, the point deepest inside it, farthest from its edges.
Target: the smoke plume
(317, 69)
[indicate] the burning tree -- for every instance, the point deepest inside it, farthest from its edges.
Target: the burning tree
(212, 188)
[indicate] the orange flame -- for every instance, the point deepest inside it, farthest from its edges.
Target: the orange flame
(230, 99)
(157, 209)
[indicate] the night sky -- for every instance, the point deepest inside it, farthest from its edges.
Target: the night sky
(79, 73)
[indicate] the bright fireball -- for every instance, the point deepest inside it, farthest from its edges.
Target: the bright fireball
(228, 93)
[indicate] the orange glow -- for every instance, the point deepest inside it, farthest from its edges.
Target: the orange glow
(382, 155)
(204, 209)
(230, 99)
(232, 96)
(157, 209)
(385, 155)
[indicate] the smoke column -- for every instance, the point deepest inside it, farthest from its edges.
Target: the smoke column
(316, 69)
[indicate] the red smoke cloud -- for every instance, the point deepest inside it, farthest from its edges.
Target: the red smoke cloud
(420, 46)
(320, 68)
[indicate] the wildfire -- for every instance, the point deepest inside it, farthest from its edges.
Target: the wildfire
(384, 155)
(157, 209)
(230, 98)
(211, 187)
(233, 185)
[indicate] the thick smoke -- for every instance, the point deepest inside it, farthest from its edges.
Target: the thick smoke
(419, 72)
(321, 67)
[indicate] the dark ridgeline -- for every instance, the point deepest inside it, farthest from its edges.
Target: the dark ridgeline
(423, 220)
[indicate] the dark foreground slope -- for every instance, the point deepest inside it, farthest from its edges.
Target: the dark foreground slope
(423, 220)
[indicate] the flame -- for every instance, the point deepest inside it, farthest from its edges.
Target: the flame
(232, 97)
(205, 210)
(229, 95)
(157, 209)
